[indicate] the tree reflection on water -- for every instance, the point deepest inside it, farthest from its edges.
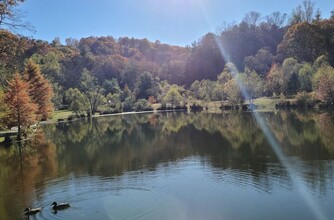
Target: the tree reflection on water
(111, 146)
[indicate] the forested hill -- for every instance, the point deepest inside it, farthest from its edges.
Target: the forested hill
(255, 44)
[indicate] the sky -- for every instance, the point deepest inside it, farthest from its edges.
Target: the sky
(176, 22)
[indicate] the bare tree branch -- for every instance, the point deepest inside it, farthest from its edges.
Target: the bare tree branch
(11, 18)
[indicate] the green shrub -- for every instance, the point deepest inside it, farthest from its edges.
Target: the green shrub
(128, 104)
(304, 99)
(142, 105)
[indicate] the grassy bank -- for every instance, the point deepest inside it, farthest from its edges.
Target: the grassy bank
(260, 103)
(61, 114)
(263, 103)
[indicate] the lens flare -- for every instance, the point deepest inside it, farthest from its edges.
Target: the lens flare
(284, 160)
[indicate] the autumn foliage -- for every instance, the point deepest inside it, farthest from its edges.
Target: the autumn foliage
(39, 89)
(28, 99)
(21, 108)
(325, 87)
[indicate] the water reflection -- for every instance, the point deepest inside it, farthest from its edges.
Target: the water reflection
(229, 146)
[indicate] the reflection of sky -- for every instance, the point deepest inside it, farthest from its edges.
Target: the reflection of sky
(185, 189)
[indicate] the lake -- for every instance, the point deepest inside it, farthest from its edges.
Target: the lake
(175, 165)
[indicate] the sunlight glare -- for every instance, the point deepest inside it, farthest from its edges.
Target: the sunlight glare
(294, 176)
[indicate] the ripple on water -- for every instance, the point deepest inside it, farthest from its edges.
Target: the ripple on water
(264, 181)
(98, 198)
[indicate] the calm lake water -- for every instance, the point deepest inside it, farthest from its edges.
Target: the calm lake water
(174, 166)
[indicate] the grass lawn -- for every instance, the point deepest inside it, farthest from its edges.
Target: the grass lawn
(265, 102)
(61, 114)
(269, 103)
(261, 103)
(155, 106)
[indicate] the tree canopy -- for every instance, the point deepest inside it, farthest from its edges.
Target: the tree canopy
(275, 54)
(39, 89)
(22, 110)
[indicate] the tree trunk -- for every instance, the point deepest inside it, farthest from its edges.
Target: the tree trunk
(19, 132)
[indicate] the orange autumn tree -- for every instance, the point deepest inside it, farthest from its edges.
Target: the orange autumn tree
(40, 90)
(21, 108)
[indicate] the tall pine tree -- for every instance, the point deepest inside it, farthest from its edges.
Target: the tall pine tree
(21, 108)
(40, 90)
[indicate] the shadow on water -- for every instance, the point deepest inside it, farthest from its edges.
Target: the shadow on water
(109, 147)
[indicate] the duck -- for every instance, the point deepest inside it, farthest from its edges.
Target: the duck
(30, 211)
(60, 206)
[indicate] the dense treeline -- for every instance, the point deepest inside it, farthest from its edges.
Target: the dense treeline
(274, 55)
